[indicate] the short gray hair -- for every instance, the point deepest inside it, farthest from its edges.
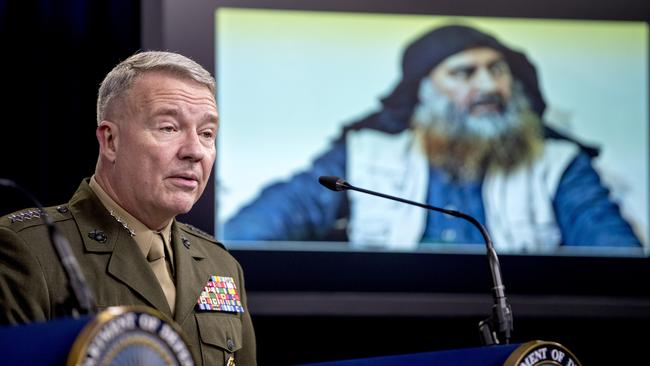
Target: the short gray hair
(119, 80)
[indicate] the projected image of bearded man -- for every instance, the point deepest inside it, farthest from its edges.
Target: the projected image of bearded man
(464, 129)
(473, 115)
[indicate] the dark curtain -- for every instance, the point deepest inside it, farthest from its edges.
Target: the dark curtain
(54, 55)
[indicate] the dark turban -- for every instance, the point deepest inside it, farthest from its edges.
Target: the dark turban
(425, 53)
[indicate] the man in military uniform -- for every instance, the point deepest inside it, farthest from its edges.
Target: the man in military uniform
(157, 122)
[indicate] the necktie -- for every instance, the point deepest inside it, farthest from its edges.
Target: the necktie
(156, 258)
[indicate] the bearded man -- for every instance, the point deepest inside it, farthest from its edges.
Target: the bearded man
(462, 130)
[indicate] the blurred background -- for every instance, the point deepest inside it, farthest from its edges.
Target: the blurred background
(54, 55)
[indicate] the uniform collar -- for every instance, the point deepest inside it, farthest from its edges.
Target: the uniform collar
(142, 235)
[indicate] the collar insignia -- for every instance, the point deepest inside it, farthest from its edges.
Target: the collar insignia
(118, 219)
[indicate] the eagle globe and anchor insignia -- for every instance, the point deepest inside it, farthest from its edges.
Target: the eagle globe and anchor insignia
(130, 335)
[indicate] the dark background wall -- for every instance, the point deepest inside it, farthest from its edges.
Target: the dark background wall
(53, 57)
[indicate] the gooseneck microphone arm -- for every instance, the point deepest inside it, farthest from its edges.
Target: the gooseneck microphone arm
(500, 322)
(77, 282)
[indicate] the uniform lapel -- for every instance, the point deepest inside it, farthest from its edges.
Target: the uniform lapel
(126, 262)
(192, 272)
(129, 266)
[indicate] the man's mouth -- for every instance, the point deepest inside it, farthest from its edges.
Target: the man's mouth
(185, 180)
(487, 104)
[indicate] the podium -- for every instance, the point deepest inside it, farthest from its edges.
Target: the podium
(40, 343)
(121, 335)
(537, 353)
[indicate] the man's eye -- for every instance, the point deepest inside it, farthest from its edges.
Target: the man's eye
(499, 68)
(167, 129)
(207, 134)
(463, 73)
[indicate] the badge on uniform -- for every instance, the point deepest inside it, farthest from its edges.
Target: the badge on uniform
(220, 294)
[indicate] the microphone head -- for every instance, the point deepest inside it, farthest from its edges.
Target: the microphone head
(333, 183)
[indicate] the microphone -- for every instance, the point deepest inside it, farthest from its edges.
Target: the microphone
(335, 183)
(76, 279)
(500, 321)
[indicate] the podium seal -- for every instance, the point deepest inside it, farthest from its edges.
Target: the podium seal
(541, 353)
(130, 335)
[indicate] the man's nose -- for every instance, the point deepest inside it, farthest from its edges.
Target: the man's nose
(191, 147)
(483, 81)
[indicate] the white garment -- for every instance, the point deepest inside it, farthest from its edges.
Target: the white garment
(518, 206)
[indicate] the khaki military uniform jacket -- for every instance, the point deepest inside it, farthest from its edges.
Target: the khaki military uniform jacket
(33, 285)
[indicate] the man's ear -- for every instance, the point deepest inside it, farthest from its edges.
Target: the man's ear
(107, 136)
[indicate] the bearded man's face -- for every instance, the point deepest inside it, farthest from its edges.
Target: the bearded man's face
(473, 114)
(477, 80)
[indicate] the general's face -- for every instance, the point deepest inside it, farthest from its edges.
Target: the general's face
(165, 146)
(477, 80)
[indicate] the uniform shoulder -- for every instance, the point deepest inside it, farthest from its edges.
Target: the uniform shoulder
(31, 217)
(192, 230)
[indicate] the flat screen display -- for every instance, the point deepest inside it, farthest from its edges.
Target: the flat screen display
(294, 80)
(290, 81)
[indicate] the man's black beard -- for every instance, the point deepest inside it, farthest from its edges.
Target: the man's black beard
(465, 145)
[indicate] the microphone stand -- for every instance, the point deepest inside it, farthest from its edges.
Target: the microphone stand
(499, 323)
(77, 282)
